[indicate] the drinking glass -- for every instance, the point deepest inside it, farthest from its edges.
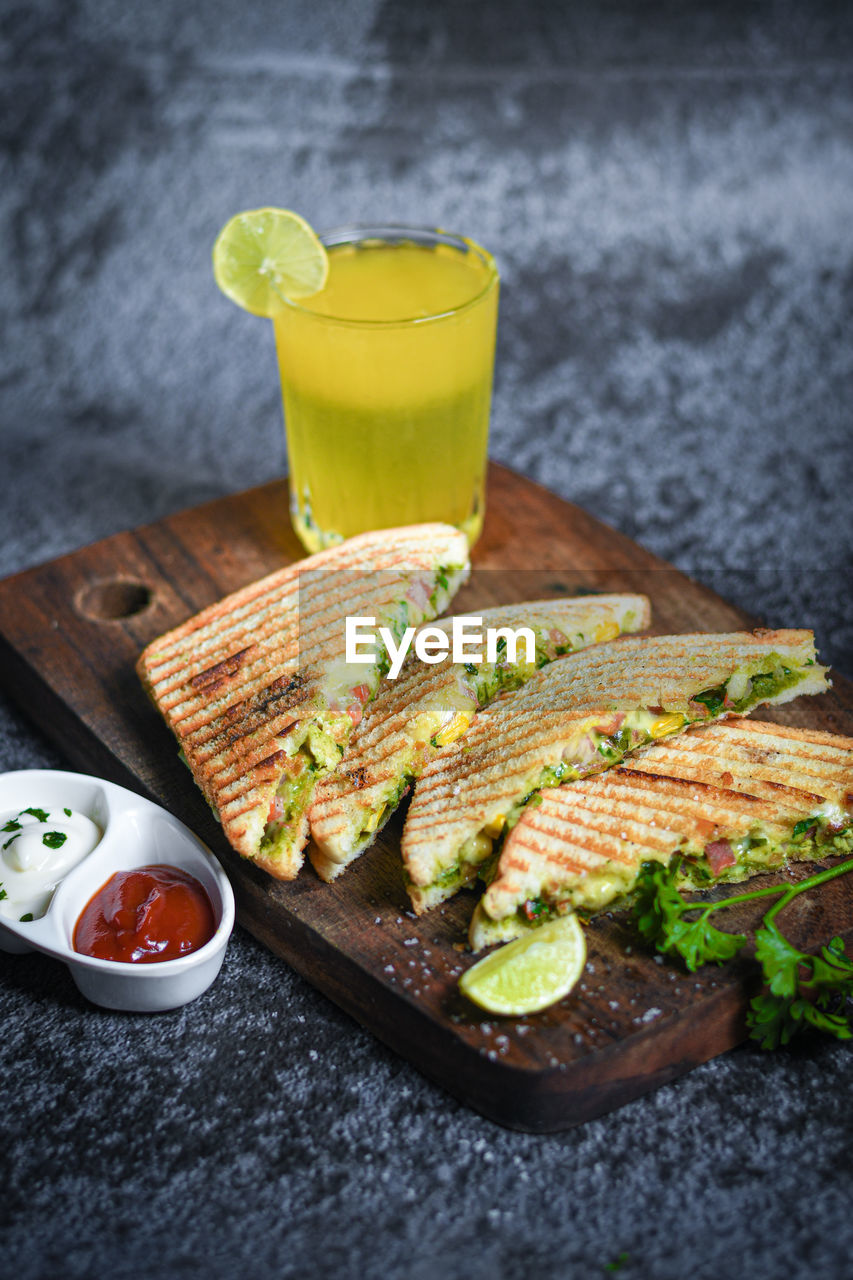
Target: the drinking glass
(386, 379)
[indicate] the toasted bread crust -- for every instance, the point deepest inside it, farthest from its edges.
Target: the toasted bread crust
(240, 676)
(720, 781)
(470, 784)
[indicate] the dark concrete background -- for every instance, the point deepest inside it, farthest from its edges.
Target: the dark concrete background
(668, 190)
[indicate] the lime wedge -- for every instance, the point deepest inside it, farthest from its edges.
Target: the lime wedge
(529, 974)
(264, 256)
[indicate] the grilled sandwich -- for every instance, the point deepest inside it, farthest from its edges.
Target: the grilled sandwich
(429, 706)
(731, 800)
(577, 717)
(257, 689)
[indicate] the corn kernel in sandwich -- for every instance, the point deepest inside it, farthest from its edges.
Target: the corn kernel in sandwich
(496, 826)
(667, 724)
(454, 728)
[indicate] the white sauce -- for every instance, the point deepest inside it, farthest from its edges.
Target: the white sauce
(35, 855)
(833, 813)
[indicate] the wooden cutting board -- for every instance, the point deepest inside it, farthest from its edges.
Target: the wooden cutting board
(70, 632)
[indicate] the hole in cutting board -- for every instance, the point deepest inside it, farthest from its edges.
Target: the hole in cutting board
(112, 600)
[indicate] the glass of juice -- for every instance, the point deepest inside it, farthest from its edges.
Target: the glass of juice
(386, 378)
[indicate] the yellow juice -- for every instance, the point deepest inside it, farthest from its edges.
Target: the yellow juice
(386, 378)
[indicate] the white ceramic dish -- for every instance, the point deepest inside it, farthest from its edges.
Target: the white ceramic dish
(136, 833)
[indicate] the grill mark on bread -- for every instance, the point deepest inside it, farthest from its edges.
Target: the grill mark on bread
(217, 674)
(277, 757)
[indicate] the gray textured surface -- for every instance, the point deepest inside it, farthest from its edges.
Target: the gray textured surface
(667, 189)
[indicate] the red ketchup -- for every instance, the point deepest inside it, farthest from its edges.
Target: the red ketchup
(148, 914)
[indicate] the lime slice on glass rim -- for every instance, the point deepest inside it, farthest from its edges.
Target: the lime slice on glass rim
(530, 973)
(263, 256)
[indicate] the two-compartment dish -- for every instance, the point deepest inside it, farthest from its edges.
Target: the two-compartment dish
(64, 837)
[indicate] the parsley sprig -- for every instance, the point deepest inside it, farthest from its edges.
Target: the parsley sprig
(801, 990)
(660, 914)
